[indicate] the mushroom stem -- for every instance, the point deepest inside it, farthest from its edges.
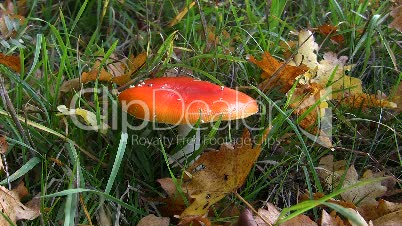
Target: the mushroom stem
(194, 144)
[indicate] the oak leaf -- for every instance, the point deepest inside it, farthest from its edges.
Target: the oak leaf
(330, 30)
(332, 174)
(96, 72)
(284, 74)
(11, 206)
(217, 173)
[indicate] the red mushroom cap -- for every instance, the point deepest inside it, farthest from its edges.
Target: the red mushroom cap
(182, 100)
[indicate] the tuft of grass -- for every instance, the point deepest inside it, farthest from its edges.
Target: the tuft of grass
(60, 41)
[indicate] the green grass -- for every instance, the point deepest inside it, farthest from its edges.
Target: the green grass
(62, 41)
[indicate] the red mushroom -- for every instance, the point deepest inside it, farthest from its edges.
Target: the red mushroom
(182, 101)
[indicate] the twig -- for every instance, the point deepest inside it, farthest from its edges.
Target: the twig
(203, 21)
(251, 208)
(11, 110)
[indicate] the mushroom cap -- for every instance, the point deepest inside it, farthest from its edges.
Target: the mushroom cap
(183, 100)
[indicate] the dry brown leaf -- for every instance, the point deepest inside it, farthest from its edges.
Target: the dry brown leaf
(327, 29)
(3, 144)
(396, 13)
(372, 212)
(13, 208)
(152, 220)
(96, 73)
(363, 100)
(195, 221)
(300, 220)
(363, 195)
(246, 218)
(181, 14)
(329, 220)
(68, 85)
(270, 214)
(174, 203)
(13, 62)
(391, 219)
(285, 77)
(211, 180)
(133, 64)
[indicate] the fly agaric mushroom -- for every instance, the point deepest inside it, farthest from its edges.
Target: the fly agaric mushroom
(183, 101)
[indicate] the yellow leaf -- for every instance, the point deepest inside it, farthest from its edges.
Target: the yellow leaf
(211, 180)
(89, 117)
(181, 14)
(363, 100)
(306, 53)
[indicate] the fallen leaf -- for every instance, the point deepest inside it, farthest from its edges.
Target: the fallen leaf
(358, 219)
(331, 173)
(382, 208)
(3, 144)
(330, 30)
(396, 13)
(13, 208)
(211, 180)
(328, 220)
(68, 85)
(307, 52)
(181, 14)
(152, 220)
(96, 73)
(270, 214)
(88, 116)
(246, 218)
(13, 62)
(174, 203)
(391, 219)
(133, 65)
(194, 221)
(317, 82)
(364, 100)
(284, 78)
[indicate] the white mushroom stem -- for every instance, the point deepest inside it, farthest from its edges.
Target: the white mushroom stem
(194, 144)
